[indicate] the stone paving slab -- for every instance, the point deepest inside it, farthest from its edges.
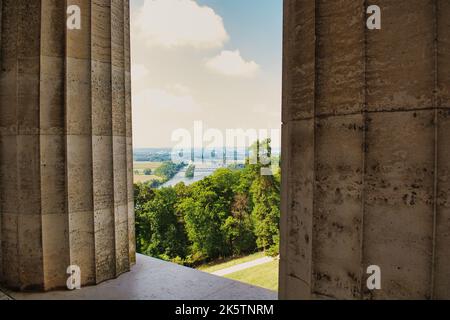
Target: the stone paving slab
(4, 296)
(153, 279)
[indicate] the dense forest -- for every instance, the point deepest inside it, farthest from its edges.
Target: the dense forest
(234, 211)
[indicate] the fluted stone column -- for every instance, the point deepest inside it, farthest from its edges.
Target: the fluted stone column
(66, 189)
(366, 150)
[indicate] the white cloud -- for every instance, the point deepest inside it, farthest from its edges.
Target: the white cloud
(266, 111)
(231, 63)
(139, 71)
(156, 99)
(180, 89)
(179, 23)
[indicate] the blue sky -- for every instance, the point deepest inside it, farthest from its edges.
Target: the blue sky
(255, 26)
(217, 61)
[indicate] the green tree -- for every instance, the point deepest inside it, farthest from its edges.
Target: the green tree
(190, 172)
(238, 227)
(143, 194)
(266, 211)
(232, 212)
(168, 170)
(161, 230)
(206, 211)
(265, 192)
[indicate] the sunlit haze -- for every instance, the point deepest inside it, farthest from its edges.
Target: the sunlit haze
(215, 61)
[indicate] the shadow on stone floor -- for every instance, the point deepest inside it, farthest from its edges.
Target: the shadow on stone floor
(153, 279)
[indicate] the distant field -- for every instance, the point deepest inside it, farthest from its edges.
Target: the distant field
(146, 165)
(142, 178)
(264, 276)
(140, 167)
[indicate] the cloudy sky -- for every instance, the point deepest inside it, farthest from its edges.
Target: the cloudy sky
(218, 61)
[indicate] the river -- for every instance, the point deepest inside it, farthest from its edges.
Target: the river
(202, 170)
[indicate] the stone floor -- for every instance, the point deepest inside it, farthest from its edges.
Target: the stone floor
(4, 296)
(152, 279)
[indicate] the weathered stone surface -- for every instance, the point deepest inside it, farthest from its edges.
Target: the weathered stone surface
(443, 41)
(298, 201)
(4, 297)
(442, 240)
(337, 214)
(339, 52)
(441, 267)
(400, 60)
(65, 143)
(299, 59)
(79, 146)
(366, 172)
(398, 218)
(153, 279)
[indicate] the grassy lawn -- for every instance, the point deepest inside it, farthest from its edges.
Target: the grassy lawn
(265, 276)
(219, 265)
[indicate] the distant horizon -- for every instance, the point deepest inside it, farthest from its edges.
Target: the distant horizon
(214, 154)
(196, 148)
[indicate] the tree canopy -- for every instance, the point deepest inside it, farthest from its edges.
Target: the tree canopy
(234, 211)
